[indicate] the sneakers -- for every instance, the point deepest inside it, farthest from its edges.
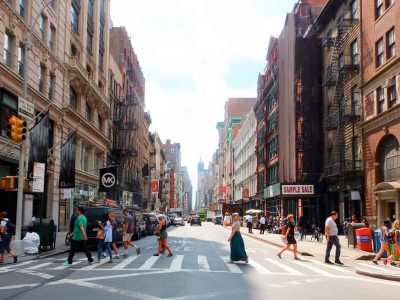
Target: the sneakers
(90, 263)
(137, 250)
(169, 255)
(117, 257)
(66, 264)
(279, 256)
(328, 262)
(15, 259)
(110, 261)
(339, 263)
(375, 262)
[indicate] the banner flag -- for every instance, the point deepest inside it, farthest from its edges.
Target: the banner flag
(67, 168)
(108, 179)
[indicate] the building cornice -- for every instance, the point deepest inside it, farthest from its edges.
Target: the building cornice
(382, 120)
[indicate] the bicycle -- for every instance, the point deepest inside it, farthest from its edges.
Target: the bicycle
(317, 235)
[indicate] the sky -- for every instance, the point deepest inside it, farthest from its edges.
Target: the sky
(195, 54)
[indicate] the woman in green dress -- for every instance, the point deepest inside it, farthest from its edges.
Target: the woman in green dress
(238, 252)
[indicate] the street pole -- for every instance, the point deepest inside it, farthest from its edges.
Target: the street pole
(21, 171)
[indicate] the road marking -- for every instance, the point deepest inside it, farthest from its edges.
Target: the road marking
(62, 267)
(260, 269)
(250, 250)
(203, 263)
(20, 264)
(275, 285)
(35, 273)
(232, 267)
(304, 264)
(149, 263)
(18, 286)
(39, 266)
(373, 267)
(284, 267)
(124, 263)
(176, 264)
(336, 268)
(95, 265)
(188, 249)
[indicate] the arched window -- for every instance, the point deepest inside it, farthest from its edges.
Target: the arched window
(389, 164)
(73, 97)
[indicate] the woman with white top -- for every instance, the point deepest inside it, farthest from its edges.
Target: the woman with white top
(106, 240)
(238, 252)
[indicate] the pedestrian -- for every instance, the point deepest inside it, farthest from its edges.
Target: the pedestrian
(105, 238)
(163, 236)
(79, 238)
(365, 221)
(396, 240)
(129, 223)
(384, 239)
(262, 224)
(288, 236)
(331, 233)
(238, 251)
(114, 235)
(250, 224)
(354, 219)
(6, 234)
(300, 227)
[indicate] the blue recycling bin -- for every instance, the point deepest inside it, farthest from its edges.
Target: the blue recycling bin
(377, 243)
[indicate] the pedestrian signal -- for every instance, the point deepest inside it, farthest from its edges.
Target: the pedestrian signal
(16, 129)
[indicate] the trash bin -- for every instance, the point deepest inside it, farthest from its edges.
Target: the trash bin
(351, 235)
(377, 243)
(364, 239)
(46, 233)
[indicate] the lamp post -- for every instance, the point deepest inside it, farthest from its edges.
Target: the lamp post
(21, 171)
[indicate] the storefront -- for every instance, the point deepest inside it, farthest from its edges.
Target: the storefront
(387, 201)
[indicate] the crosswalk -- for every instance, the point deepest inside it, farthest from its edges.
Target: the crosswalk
(200, 263)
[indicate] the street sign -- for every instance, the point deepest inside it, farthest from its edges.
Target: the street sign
(26, 109)
(38, 177)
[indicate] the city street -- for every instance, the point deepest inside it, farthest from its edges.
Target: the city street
(198, 270)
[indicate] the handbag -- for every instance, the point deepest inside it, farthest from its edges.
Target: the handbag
(100, 234)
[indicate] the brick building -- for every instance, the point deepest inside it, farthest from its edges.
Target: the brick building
(381, 127)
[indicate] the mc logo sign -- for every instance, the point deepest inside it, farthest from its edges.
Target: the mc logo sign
(108, 180)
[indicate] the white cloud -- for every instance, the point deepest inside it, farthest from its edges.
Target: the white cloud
(198, 39)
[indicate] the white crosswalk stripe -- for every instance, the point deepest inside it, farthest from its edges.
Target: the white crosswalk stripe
(203, 263)
(284, 267)
(95, 265)
(336, 268)
(176, 264)
(124, 263)
(62, 267)
(307, 265)
(39, 266)
(149, 263)
(260, 269)
(232, 267)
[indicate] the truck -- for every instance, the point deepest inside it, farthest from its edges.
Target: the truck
(210, 215)
(202, 214)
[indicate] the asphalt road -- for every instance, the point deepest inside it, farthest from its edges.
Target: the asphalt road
(198, 270)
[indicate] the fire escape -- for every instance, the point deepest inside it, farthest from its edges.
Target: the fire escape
(341, 112)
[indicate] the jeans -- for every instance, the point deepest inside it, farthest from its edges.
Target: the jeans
(333, 240)
(250, 225)
(262, 228)
(301, 232)
(78, 246)
(100, 248)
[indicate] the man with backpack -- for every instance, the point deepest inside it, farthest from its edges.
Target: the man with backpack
(7, 229)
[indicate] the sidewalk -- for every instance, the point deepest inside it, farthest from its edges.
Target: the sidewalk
(60, 248)
(309, 248)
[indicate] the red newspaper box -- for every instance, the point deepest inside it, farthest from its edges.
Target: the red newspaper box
(364, 239)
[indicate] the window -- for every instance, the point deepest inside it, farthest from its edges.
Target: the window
(341, 61)
(22, 8)
(354, 52)
(353, 9)
(52, 37)
(99, 123)
(355, 107)
(52, 84)
(42, 27)
(380, 99)
(356, 152)
(273, 148)
(379, 52)
(389, 3)
(73, 99)
(7, 49)
(390, 44)
(85, 157)
(8, 107)
(273, 174)
(88, 112)
(101, 60)
(21, 59)
(378, 8)
(89, 42)
(74, 18)
(97, 163)
(389, 163)
(42, 77)
(392, 96)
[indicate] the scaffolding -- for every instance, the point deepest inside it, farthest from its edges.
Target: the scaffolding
(341, 113)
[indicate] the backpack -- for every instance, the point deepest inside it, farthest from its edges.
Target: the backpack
(10, 227)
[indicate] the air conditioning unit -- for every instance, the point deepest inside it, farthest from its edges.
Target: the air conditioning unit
(388, 82)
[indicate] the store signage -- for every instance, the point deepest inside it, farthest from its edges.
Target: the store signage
(38, 177)
(222, 189)
(297, 189)
(108, 179)
(154, 186)
(26, 109)
(246, 193)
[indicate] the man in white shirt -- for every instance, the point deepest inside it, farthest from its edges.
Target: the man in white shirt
(331, 234)
(262, 225)
(250, 224)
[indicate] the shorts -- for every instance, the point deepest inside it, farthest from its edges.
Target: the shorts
(127, 237)
(114, 236)
(291, 240)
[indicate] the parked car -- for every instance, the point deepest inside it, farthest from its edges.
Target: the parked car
(195, 220)
(172, 217)
(151, 223)
(217, 220)
(99, 213)
(179, 221)
(139, 229)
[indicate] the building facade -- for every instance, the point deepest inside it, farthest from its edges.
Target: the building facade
(381, 125)
(173, 157)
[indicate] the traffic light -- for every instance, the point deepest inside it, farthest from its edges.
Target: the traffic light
(10, 184)
(16, 129)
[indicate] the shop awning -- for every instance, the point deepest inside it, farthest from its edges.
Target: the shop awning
(387, 186)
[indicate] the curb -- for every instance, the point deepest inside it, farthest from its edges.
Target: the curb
(272, 243)
(390, 277)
